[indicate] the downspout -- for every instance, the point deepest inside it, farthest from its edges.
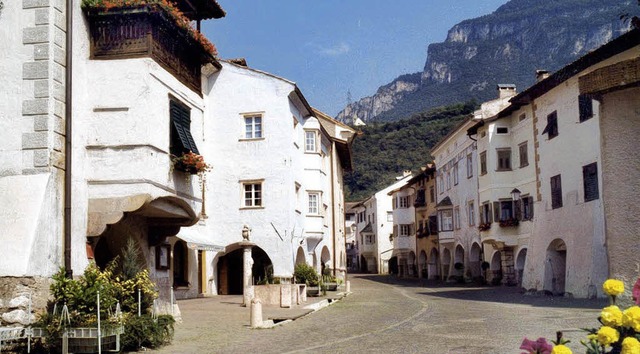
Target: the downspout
(68, 139)
(333, 208)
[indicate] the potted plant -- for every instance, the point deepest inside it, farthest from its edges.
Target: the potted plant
(484, 226)
(306, 274)
(191, 163)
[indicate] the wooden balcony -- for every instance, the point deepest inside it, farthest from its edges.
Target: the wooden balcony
(147, 31)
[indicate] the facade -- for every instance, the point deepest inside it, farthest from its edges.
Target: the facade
(134, 106)
(459, 243)
(350, 227)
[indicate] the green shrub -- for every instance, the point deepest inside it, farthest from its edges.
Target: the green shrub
(145, 331)
(306, 274)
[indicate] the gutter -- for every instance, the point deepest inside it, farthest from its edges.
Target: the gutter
(68, 140)
(333, 208)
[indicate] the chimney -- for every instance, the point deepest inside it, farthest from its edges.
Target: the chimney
(239, 61)
(406, 173)
(506, 90)
(541, 75)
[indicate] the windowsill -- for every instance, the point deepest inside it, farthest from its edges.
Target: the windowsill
(483, 173)
(252, 208)
(504, 170)
(181, 287)
(250, 139)
(314, 216)
(523, 166)
(312, 152)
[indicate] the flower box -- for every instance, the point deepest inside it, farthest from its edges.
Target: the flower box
(150, 31)
(509, 223)
(191, 163)
(484, 226)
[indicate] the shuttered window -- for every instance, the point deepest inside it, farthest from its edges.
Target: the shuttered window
(590, 180)
(552, 125)
(181, 140)
(556, 192)
(585, 106)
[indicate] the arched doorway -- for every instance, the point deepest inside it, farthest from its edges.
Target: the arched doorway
(230, 270)
(495, 268)
(411, 264)
(520, 259)
(422, 265)
(446, 262)
(325, 261)
(459, 261)
(300, 259)
(433, 269)
(363, 265)
(556, 267)
(393, 265)
(475, 260)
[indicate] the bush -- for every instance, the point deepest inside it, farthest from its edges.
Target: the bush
(306, 274)
(145, 331)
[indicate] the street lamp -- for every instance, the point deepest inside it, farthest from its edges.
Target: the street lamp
(515, 194)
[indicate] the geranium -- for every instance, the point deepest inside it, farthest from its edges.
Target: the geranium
(540, 346)
(613, 287)
(630, 345)
(611, 316)
(561, 349)
(636, 292)
(608, 335)
(631, 318)
(190, 162)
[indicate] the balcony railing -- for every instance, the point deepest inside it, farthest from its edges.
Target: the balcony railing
(147, 31)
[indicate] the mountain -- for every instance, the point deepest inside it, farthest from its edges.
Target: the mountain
(506, 46)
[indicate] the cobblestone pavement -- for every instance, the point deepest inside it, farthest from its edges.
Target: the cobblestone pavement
(384, 314)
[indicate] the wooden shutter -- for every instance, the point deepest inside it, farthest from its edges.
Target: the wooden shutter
(517, 209)
(496, 211)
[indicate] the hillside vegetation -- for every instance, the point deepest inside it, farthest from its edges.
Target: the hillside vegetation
(383, 150)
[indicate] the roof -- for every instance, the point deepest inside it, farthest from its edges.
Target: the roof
(343, 145)
(367, 229)
(506, 86)
(616, 46)
(446, 202)
(201, 9)
(451, 133)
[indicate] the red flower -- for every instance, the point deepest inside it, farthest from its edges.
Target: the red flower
(636, 292)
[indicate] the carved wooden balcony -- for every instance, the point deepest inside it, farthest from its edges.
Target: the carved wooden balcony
(148, 31)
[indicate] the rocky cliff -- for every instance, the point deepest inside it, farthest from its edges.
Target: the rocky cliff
(506, 46)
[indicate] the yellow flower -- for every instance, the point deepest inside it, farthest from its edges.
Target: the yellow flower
(613, 287)
(611, 316)
(592, 336)
(631, 318)
(630, 345)
(607, 335)
(561, 349)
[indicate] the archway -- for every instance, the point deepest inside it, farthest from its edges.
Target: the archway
(555, 267)
(422, 265)
(393, 265)
(300, 259)
(230, 270)
(459, 261)
(363, 265)
(495, 268)
(446, 262)
(520, 259)
(180, 264)
(325, 261)
(475, 260)
(411, 264)
(433, 269)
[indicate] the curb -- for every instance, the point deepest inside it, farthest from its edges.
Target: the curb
(313, 307)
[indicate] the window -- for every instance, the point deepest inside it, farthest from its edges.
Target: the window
(552, 125)
(556, 192)
(390, 216)
(314, 203)
(370, 239)
(180, 138)
(405, 230)
(455, 174)
(522, 117)
(440, 184)
(485, 213)
(483, 163)
(524, 156)
(469, 166)
(421, 198)
(253, 127)
(504, 159)
(252, 194)
(502, 130)
(448, 180)
(585, 106)
(403, 202)
(527, 208)
(180, 264)
(298, 203)
(310, 141)
(456, 218)
(503, 210)
(472, 211)
(432, 194)
(433, 225)
(446, 220)
(590, 180)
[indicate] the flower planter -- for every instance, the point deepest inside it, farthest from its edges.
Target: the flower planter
(332, 286)
(313, 290)
(179, 166)
(85, 340)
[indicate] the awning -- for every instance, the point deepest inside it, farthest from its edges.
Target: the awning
(198, 241)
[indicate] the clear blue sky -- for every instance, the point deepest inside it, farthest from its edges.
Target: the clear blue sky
(329, 47)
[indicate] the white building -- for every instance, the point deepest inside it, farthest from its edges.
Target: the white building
(457, 194)
(403, 257)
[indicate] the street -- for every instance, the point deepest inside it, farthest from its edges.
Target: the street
(384, 314)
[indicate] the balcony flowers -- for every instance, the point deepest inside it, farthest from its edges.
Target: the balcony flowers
(484, 226)
(167, 6)
(511, 222)
(191, 163)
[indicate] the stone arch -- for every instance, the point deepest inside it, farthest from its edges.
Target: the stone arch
(230, 270)
(556, 267)
(495, 268)
(325, 260)
(423, 271)
(520, 261)
(433, 269)
(475, 260)
(300, 256)
(393, 265)
(458, 259)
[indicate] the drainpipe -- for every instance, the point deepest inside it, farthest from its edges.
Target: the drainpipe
(333, 208)
(68, 145)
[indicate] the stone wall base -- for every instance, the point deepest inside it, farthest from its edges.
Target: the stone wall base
(14, 299)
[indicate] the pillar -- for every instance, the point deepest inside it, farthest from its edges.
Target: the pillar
(247, 286)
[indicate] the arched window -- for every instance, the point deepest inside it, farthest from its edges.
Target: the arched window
(180, 264)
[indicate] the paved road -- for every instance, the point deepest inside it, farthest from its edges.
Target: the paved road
(386, 315)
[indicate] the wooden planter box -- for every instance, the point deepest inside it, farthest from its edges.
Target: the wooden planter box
(147, 31)
(85, 340)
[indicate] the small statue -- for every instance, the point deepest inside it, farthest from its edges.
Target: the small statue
(246, 232)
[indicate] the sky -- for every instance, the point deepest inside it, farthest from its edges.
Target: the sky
(334, 47)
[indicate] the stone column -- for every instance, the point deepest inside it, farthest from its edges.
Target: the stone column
(247, 286)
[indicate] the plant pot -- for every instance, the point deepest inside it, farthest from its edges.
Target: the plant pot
(332, 286)
(313, 291)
